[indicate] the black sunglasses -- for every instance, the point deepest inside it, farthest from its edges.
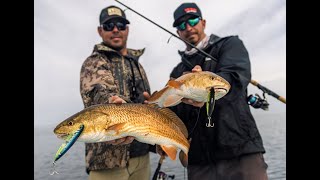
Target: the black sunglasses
(192, 22)
(110, 26)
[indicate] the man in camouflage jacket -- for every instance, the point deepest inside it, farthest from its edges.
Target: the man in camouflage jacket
(112, 74)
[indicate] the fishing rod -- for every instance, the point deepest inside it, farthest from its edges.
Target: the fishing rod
(160, 174)
(257, 102)
(264, 89)
(155, 175)
(268, 91)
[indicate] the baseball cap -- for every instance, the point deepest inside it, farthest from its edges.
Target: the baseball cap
(184, 9)
(112, 12)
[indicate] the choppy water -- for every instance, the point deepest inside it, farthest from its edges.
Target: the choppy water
(71, 166)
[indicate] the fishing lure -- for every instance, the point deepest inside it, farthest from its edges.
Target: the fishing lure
(70, 140)
(210, 106)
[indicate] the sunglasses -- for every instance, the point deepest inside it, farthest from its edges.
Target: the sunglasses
(110, 26)
(191, 22)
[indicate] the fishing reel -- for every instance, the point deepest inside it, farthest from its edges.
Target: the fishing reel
(164, 176)
(258, 102)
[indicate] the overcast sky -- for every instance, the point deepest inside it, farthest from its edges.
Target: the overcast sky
(65, 32)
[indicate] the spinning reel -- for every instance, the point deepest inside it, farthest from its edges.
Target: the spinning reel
(257, 102)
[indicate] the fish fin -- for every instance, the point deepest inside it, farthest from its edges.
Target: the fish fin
(153, 93)
(116, 128)
(172, 100)
(184, 77)
(183, 158)
(171, 151)
(156, 106)
(156, 95)
(165, 97)
(175, 119)
(174, 84)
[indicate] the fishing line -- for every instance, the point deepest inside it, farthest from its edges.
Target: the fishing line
(194, 124)
(169, 39)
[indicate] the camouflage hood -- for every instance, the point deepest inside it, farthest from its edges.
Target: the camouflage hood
(103, 48)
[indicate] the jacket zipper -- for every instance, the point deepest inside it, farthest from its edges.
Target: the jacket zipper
(119, 76)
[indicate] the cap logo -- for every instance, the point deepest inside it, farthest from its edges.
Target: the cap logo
(114, 11)
(188, 10)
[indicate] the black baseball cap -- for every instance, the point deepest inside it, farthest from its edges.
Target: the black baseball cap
(112, 12)
(184, 9)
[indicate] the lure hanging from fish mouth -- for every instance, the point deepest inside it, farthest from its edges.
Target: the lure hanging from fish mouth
(70, 140)
(210, 106)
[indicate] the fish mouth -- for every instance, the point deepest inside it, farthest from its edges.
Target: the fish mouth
(221, 89)
(62, 135)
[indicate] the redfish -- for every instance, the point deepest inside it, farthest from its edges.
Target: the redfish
(195, 86)
(147, 123)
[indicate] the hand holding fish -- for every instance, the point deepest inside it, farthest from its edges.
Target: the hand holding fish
(116, 99)
(146, 96)
(196, 68)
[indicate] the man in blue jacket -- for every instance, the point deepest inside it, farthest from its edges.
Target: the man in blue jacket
(233, 147)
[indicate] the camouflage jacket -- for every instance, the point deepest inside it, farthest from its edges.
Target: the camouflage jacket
(103, 74)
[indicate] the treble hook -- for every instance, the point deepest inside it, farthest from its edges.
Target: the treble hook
(209, 123)
(53, 169)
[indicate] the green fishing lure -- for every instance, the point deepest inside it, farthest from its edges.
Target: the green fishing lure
(70, 140)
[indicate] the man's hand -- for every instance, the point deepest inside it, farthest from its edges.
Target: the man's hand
(146, 96)
(116, 99)
(196, 68)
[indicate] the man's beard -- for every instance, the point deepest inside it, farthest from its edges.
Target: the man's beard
(116, 48)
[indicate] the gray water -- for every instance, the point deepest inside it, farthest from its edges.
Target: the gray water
(72, 167)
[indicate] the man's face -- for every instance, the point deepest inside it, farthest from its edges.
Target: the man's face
(191, 29)
(114, 34)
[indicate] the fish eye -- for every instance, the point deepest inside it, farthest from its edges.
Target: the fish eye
(70, 123)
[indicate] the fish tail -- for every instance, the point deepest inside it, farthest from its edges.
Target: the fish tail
(171, 151)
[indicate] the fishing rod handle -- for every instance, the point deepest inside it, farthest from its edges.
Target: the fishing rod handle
(161, 159)
(254, 82)
(282, 99)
